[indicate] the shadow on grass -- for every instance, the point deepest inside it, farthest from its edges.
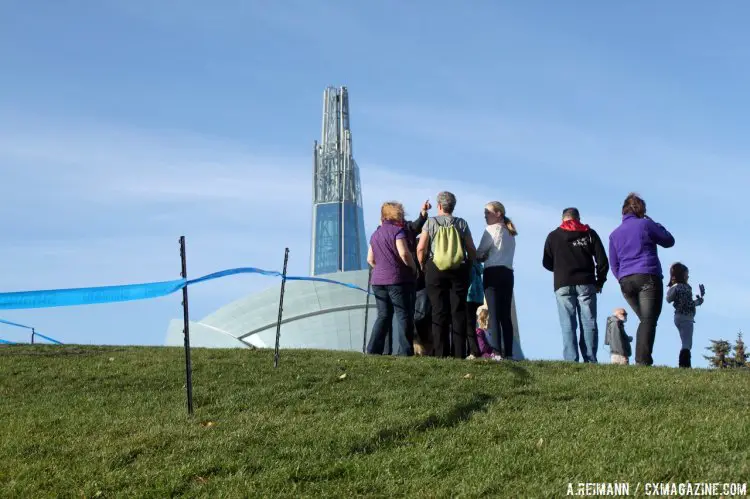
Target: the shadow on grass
(521, 376)
(393, 437)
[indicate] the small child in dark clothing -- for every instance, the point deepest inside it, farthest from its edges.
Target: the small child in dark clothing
(680, 294)
(618, 341)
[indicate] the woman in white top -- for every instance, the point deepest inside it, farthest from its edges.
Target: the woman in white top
(496, 251)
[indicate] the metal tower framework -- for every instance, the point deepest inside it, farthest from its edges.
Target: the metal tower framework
(338, 231)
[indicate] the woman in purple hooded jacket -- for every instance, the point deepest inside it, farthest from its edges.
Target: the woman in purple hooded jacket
(635, 264)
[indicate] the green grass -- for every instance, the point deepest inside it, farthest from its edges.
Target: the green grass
(111, 421)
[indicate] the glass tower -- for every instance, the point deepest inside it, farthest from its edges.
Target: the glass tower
(338, 228)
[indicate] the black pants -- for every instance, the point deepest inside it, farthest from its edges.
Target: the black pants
(423, 317)
(471, 328)
(447, 290)
(498, 289)
(644, 293)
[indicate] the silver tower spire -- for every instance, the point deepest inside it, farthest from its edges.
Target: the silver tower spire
(338, 229)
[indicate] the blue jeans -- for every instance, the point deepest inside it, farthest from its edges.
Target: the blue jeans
(578, 302)
(397, 301)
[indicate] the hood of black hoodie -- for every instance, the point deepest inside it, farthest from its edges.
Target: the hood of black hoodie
(572, 235)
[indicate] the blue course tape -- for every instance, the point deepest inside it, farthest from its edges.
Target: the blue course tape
(6, 342)
(129, 292)
(3, 321)
(48, 338)
(87, 296)
(323, 279)
(240, 270)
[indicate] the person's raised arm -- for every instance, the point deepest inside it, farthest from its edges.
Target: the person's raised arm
(417, 225)
(699, 298)
(405, 254)
(671, 292)
(424, 241)
(370, 256)
(659, 234)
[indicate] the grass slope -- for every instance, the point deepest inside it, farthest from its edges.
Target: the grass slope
(111, 421)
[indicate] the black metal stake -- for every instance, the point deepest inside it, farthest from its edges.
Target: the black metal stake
(367, 309)
(186, 317)
(281, 309)
(33, 333)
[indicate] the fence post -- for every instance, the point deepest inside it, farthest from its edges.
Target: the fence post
(281, 308)
(33, 333)
(367, 310)
(186, 331)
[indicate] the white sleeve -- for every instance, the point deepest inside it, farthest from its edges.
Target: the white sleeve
(484, 246)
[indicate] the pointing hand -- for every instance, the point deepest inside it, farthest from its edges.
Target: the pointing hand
(426, 206)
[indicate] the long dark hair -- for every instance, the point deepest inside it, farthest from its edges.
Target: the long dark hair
(678, 274)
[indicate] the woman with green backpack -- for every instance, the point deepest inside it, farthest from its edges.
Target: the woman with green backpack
(446, 252)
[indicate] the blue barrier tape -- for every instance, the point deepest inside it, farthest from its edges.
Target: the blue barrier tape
(129, 292)
(87, 296)
(329, 281)
(240, 270)
(6, 342)
(48, 338)
(3, 321)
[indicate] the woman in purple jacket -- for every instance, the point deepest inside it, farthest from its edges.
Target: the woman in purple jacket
(635, 264)
(393, 277)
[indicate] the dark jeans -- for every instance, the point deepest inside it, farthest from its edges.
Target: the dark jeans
(394, 300)
(471, 328)
(644, 293)
(447, 290)
(498, 289)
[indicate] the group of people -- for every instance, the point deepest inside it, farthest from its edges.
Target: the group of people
(457, 297)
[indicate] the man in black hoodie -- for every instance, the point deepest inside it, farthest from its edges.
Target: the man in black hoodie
(575, 254)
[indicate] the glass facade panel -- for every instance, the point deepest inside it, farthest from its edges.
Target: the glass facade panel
(326, 238)
(327, 242)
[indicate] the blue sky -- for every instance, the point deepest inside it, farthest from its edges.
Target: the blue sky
(127, 123)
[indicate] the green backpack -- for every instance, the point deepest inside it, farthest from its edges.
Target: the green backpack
(448, 252)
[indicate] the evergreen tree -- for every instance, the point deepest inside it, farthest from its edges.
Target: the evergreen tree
(740, 357)
(720, 350)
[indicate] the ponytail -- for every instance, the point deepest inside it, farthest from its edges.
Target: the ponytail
(498, 208)
(511, 227)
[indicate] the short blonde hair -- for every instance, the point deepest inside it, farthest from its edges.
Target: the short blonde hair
(483, 317)
(392, 211)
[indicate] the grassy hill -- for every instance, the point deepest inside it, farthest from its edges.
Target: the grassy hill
(111, 421)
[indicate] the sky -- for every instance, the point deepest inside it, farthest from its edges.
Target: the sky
(125, 124)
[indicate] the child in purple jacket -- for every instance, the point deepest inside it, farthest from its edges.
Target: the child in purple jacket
(485, 347)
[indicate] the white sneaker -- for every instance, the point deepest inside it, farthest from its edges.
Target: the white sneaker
(470, 357)
(496, 357)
